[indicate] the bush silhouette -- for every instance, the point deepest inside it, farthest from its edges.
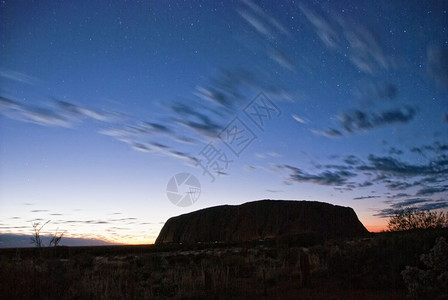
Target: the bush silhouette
(430, 283)
(410, 218)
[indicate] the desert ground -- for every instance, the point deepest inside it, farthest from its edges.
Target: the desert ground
(301, 267)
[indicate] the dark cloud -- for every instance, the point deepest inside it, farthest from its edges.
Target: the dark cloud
(438, 204)
(212, 94)
(330, 132)
(339, 167)
(399, 195)
(396, 151)
(390, 165)
(402, 185)
(409, 202)
(438, 64)
(358, 120)
(366, 197)
(193, 118)
(159, 146)
(403, 115)
(418, 151)
(428, 191)
(393, 173)
(335, 178)
(413, 203)
(386, 212)
(156, 127)
(352, 160)
(397, 185)
(441, 148)
(140, 147)
(365, 184)
(425, 150)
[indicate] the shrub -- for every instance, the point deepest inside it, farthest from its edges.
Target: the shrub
(409, 218)
(431, 282)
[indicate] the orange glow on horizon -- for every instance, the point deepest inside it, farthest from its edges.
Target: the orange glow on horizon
(375, 228)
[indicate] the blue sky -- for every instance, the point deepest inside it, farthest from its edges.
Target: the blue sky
(102, 103)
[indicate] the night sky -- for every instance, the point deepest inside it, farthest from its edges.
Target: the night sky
(103, 102)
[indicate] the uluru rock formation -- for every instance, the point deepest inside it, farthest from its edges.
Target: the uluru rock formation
(261, 220)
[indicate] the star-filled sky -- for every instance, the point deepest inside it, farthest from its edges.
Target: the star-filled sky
(102, 103)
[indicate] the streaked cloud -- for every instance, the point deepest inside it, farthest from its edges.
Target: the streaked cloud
(18, 76)
(332, 178)
(437, 65)
(337, 33)
(358, 120)
(299, 119)
(366, 197)
(330, 132)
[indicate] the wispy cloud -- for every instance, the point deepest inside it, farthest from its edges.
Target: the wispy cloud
(62, 114)
(366, 197)
(37, 115)
(330, 133)
(340, 34)
(270, 32)
(18, 76)
(437, 65)
(332, 178)
(389, 165)
(77, 111)
(428, 191)
(261, 21)
(377, 91)
(358, 120)
(299, 119)
(414, 203)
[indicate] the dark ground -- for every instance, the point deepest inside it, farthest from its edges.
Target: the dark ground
(299, 267)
